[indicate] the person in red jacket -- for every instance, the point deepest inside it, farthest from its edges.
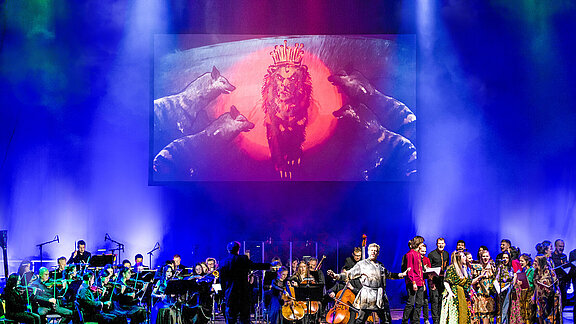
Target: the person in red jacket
(414, 282)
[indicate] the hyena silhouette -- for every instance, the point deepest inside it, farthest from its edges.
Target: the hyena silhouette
(182, 157)
(391, 113)
(389, 155)
(174, 115)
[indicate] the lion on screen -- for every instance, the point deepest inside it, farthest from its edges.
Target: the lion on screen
(286, 95)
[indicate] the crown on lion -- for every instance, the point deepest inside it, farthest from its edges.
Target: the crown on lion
(283, 54)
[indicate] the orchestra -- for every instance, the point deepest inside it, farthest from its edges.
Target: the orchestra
(174, 293)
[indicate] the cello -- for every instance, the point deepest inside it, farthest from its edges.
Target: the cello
(340, 313)
(292, 310)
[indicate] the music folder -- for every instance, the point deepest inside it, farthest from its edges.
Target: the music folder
(521, 276)
(433, 271)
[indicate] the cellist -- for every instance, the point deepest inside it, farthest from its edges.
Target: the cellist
(278, 288)
(303, 276)
(354, 285)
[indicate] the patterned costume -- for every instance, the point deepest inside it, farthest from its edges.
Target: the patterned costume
(524, 299)
(455, 309)
(504, 277)
(484, 306)
(546, 294)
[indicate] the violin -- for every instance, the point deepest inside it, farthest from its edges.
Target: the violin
(59, 283)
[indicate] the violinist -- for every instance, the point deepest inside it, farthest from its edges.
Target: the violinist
(165, 310)
(70, 287)
(17, 302)
(45, 295)
(126, 264)
(93, 308)
(25, 274)
(104, 285)
(59, 269)
(278, 288)
(123, 297)
(372, 297)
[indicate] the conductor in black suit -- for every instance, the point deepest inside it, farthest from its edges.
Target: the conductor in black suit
(234, 272)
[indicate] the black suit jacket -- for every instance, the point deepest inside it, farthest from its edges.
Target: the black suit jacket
(234, 272)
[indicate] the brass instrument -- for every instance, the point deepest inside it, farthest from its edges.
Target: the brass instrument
(209, 277)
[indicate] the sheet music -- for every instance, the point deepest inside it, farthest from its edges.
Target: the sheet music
(435, 270)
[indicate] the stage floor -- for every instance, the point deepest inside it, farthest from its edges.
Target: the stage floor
(397, 317)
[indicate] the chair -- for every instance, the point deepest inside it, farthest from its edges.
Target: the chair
(78, 315)
(53, 319)
(3, 318)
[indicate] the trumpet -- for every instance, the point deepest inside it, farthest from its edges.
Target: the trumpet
(210, 276)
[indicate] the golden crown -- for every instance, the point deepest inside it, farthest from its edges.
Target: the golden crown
(283, 54)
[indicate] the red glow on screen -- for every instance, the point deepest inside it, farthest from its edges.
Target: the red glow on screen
(248, 77)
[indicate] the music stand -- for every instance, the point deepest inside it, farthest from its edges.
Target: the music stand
(269, 277)
(181, 287)
(99, 261)
(563, 271)
(309, 293)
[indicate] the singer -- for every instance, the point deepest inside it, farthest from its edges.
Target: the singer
(80, 255)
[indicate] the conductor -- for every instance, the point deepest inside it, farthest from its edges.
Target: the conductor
(234, 272)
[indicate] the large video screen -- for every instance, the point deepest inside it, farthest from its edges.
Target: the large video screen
(283, 108)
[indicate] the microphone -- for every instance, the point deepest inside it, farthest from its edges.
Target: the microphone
(157, 246)
(57, 238)
(106, 237)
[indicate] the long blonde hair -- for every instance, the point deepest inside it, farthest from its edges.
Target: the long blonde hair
(456, 261)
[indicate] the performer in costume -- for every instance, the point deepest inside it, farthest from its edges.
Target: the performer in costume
(372, 296)
(438, 258)
(504, 276)
(456, 283)
(546, 290)
(484, 305)
(414, 282)
(523, 296)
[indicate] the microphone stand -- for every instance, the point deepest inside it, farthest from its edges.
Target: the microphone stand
(120, 246)
(56, 238)
(156, 247)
